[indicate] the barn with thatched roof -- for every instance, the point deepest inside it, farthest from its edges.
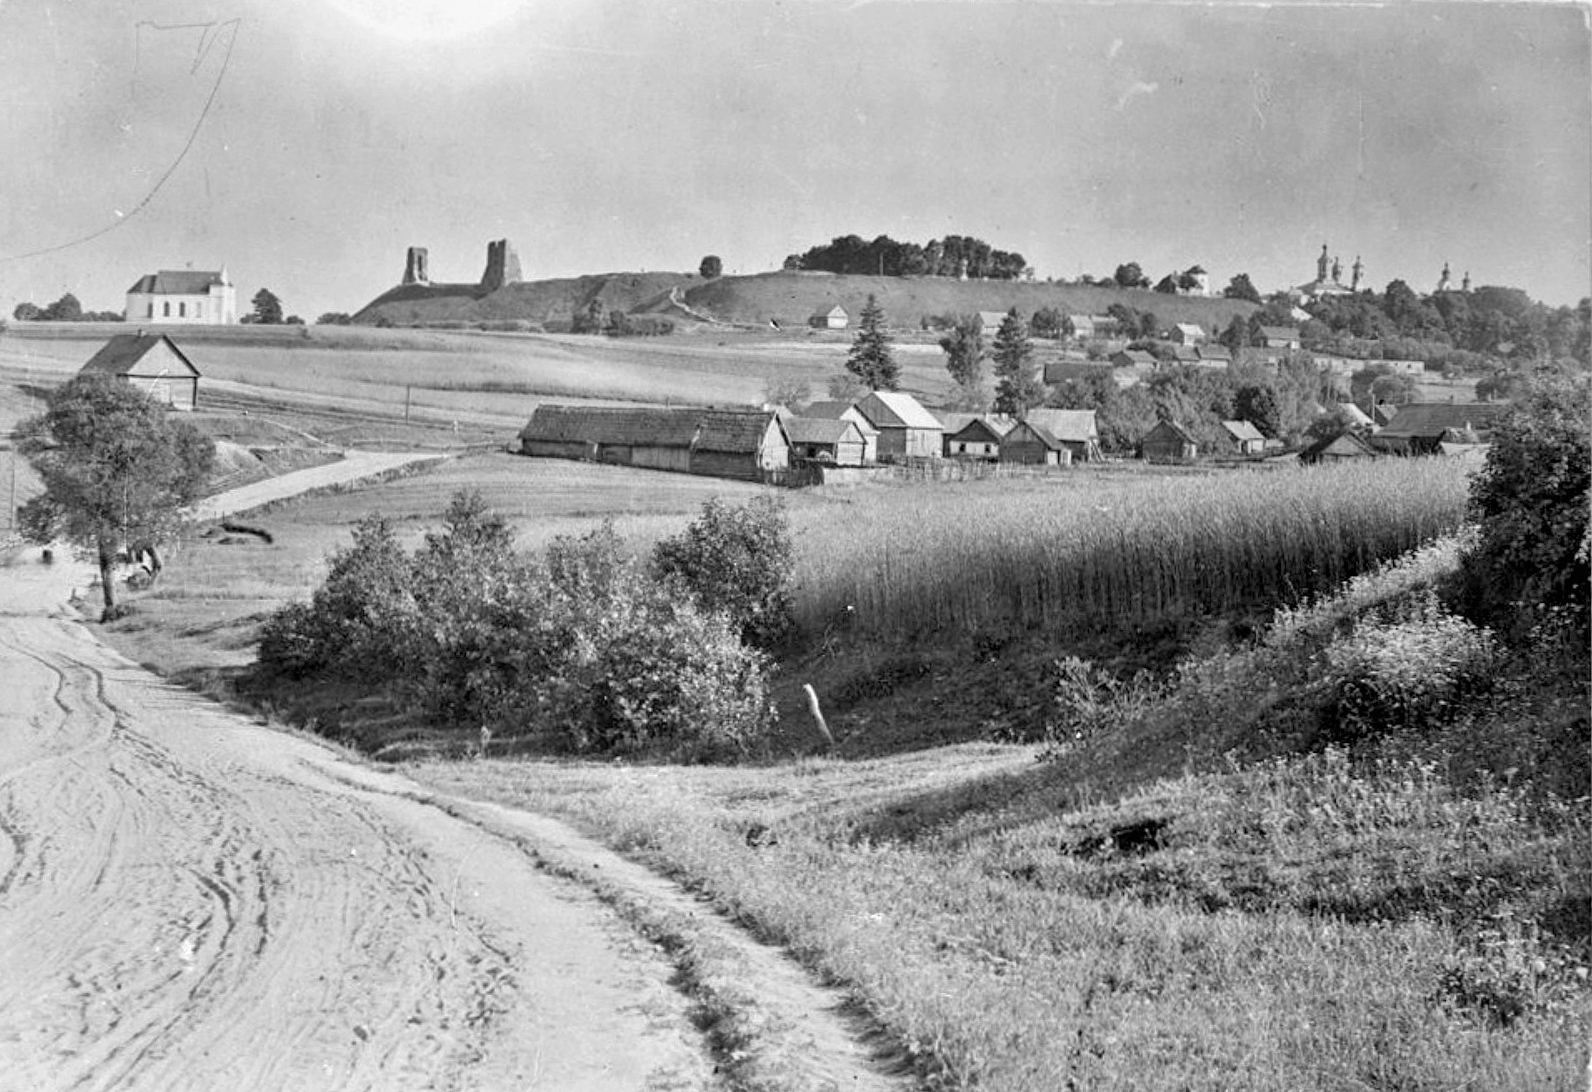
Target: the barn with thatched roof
(726, 443)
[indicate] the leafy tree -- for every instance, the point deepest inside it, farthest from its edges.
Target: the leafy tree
(1531, 502)
(335, 318)
(1377, 383)
(711, 267)
(116, 468)
(1259, 405)
(791, 391)
(1047, 322)
(65, 309)
(1130, 275)
(1167, 285)
(589, 319)
(844, 387)
(1236, 336)
(27, 312)
(1189, 279)
(1017, 387)
(870, 359)
(1241, 288)
(965, 351)
(737, 561)
(267, 308)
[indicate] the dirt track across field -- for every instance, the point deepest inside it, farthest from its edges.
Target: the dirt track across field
(191, 901)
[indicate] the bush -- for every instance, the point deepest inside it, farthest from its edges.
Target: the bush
(739, 562)
(1408, 673)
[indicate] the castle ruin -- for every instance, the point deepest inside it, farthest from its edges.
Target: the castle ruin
(415, 271)
(502, 266)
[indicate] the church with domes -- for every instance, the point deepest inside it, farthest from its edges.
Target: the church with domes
(1329, 279)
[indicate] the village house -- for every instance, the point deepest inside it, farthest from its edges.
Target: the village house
(1215, 355)
(183, 296)
(1355, 417)
(1133, 358)
(1052, 437)
(906, 429)
(1185, 354)
(838, 442)
(1168, 442)
(991, 321)
(1280, 337)
(974, 435)
(1437, 428)
(1188, 333)
(1084, 327)
(1342, 447)
(833, 319)
(151, 364)
(748, 444)
(847, 411)
(1246, 437)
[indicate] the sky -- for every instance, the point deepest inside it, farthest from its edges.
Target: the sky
(305, 144)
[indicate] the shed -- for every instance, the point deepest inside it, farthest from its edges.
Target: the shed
(1132, 358)
(1215, 355)
(748, 444)
(847, 411)
(1249, 439)
(906, 429)
(1052, 437)
(1335, 449)
(975, 435)
(838, 442)
(1168, 442)
(1421, 427)
(991, 321)
(833, 319)
(151, 364)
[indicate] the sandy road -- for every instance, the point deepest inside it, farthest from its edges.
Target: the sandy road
(188, 901)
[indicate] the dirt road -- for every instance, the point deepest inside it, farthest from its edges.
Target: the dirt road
(188, 901)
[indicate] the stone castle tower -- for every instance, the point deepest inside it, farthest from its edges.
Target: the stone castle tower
(415, 271)
(502, 265)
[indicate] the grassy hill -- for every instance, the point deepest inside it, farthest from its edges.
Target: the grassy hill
(786, 298)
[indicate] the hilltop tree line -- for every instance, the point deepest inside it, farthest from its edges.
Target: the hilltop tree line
(65, 309)
(953, 256)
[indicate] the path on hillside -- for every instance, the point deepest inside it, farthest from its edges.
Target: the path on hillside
(189, 901)
(353, 466)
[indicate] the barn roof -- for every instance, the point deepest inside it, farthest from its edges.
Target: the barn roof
(821, 430)
(1172, 430)
(1136, 356)
(609, 425)
(1063, 426)
(1432, 419)
(1211, 350)
(1347, 444)
(1190, 329)
(991, 320)
(732, 431)
(1279, 333)
(1243, 431)
(831, 312)
(179, 282)
(122, 353)
(1354, 414)
(893, 409)
(994, 425)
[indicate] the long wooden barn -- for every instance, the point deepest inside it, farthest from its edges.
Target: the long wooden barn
(748, 444)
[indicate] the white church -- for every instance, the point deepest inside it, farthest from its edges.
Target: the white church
(186, 296)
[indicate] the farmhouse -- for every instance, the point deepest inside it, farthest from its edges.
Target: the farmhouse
(1279, 337)
(748, 444)
(1188, 333)
(1423, 428)
(1052, 437)
(1214, 355)
(838, 442)
(833, 319)
(1340, 448)
(906, 429)
(1168, 442)
(847, 411)
(1132, 358)
(991, 321)
(184, 296)
(151, 363)
(1246, 437)
(1084, 327)
(974, 435)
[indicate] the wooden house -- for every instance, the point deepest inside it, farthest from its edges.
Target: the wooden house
(151, 364)
(1346, 445)
(833, 319)
(975, 435)
(1052, 437)
(991, 322)
(1214, 355)
(847, 411)
(906, 429)
(748, 444)
(1188, 333)
(838, 442)
(1422, 428)
(1084, 327)
(1246, 437)
(1279, 337)
(1133, 358)
(1168, 442)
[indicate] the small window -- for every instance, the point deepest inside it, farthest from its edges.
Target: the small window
(182, 310)
(165, 309)
(151, 312)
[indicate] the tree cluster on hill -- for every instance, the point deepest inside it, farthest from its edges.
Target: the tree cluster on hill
(953, 256)
(65, 309)
(586, 648)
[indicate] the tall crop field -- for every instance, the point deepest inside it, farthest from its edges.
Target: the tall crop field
(1103, 550)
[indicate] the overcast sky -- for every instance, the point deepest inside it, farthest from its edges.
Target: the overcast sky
(304, 144)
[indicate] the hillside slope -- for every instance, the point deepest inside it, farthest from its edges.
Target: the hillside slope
(785, 298)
